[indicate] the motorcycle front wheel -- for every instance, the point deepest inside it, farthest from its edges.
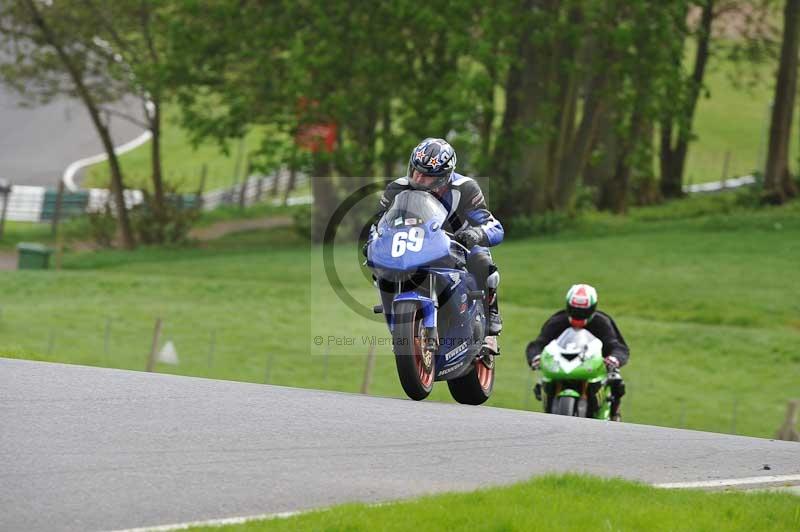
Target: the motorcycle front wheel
(564, 406)
(415, 365)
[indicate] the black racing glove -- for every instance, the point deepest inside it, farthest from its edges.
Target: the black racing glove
(470, 237)
(373, 233)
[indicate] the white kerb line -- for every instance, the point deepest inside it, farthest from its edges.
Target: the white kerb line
(211, 522)
(729, 482)
(72, 169)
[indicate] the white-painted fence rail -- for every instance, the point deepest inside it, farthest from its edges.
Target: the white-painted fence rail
(28, 203)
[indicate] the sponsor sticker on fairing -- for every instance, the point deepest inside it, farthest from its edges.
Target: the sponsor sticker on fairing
(455, 352)
(450, 370)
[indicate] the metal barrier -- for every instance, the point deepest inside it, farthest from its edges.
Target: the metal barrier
(38, 204)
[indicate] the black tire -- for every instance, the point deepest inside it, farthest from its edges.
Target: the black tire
(415, 377)
(564, 406)
(475, 387)
(583, 408)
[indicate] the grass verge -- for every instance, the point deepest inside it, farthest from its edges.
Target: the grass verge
(564, 502)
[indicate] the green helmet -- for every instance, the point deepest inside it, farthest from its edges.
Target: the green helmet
(581, 304)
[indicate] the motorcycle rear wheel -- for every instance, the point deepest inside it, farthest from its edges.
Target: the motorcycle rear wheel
(475, 387)
(564, 406)
(415, 368)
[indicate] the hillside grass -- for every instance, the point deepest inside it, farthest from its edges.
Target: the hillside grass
(705, 303)
(563, 502)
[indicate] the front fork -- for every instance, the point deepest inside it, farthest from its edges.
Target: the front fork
(538, 391)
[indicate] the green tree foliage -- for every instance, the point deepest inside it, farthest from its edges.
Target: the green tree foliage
(98, 51)
(545, 98)
(50, 50)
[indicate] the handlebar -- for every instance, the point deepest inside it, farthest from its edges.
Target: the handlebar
(456, 242)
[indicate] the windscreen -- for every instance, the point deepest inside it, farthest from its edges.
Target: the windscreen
(414, 207)
(574, 340)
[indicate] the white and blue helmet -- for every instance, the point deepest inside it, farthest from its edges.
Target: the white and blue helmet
(432, 157)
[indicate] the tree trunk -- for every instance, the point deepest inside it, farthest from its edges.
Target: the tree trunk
(117, 186)
(616, 190)
(159, 203)
(646, 189)
(521, 154)
(579, 148)
(487, 120)
(386, 137)
(324, 192)
(673, 160)
(158, 180)
(670, 186)
(778, 185)
(600, 171)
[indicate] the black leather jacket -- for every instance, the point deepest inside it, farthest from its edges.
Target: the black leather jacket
(601, 325)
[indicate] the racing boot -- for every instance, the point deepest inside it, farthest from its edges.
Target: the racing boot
(494, 323)
(617, 386)
(614, 414)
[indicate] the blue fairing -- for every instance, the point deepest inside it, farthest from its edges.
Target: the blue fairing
(436, 246)
(427, 304)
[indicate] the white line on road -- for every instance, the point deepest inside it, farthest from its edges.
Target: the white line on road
(210, 522)
(729, 482)
(72, 169)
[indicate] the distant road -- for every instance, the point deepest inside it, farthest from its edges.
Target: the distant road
(37, 144)
(98, 449)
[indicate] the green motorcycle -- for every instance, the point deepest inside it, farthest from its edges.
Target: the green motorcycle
(574, 380)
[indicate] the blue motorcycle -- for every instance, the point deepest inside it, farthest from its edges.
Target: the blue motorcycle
(431, 303)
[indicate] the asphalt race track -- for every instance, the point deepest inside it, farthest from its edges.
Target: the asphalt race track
(99, 449)
(37, 144)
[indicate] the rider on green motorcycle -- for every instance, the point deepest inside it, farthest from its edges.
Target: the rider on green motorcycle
(581, 312)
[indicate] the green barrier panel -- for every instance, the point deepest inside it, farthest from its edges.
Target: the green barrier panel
(33, 256)
(72, 204)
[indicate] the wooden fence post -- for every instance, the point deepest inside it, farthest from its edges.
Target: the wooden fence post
(57, 212)
(725, 166)
(788, 431)
(368, 370)
(151, 360)
(5, 190)
(245, 184)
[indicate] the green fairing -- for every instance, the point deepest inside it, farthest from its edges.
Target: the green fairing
(592, 370)
(604, 412)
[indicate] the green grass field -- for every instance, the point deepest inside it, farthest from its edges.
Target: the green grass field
(568, 502)
(704, 302)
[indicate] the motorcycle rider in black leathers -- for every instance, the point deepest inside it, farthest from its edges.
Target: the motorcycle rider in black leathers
(431, 168)
(581, 312)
